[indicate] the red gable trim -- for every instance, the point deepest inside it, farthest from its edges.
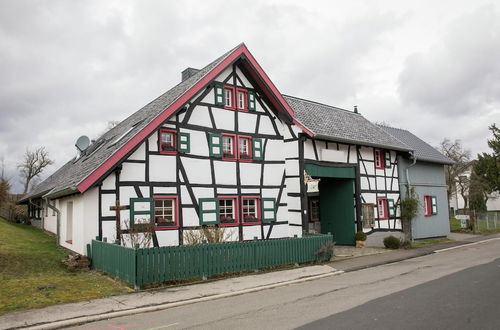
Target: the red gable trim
(144, 133)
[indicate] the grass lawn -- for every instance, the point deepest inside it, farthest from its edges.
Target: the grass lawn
(31, 274)
(429, 241)
(455, 224)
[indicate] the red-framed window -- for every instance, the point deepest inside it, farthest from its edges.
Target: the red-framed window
(228, 210)
(167, 141)
(229, 98)
(241, 99)
(379, 159)
(430, 205)
(250, 208)
(382, 210)
(313, 209)
(166, 212)
(229, 151)
(244, 147)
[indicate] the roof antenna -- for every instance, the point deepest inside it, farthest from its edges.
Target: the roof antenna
(355, 109)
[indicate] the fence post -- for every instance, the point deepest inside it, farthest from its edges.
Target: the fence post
(254, 252)
(98, 238)
(135, 269)
(204, 263)
(104, 239)
(117, 241)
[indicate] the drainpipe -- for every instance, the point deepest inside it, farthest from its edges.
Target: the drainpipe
(408, 170)
(58, 214)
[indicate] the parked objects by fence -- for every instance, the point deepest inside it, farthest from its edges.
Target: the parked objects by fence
(157, 265)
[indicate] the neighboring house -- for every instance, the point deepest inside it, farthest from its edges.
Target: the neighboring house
(225, 148)
(457, 202)
(424, 170)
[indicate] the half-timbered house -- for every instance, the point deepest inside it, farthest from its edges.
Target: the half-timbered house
(225, 148)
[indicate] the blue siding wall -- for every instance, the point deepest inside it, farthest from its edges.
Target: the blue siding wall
(428, 179)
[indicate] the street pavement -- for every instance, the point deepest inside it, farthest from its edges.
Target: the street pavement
(419, 283)
(468, 299)
(209, 291)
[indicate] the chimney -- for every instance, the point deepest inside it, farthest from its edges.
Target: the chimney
(355, 109)
(188, 73)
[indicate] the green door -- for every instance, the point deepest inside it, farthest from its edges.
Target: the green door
(336, 204)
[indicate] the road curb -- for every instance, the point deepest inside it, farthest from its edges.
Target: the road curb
(105, 316)
(466, 245)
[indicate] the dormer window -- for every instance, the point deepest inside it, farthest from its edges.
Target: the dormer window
(167, 141)
(241, 99)
(229, 97)
(379, 159)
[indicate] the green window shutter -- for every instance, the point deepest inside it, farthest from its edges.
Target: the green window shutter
(141, 206)
(209, 211)
(434, 206)
(219, 95)
(391, 207)
(257, 149)
(183, 142)
(387, 159)
(251, 100)
(268, 209)
(215, 145)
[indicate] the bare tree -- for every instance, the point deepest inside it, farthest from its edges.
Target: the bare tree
(456, 152)
(4, 184)
(33, 165)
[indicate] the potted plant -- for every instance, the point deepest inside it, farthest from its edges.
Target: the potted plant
(360, 239)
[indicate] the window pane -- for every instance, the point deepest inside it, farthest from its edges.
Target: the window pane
(228, 97)
(227, 145)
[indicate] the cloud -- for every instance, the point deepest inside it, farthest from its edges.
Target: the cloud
(460, 75)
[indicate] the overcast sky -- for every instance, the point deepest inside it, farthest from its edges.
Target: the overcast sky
(69, 67)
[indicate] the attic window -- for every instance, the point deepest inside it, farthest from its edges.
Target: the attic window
(167, 141)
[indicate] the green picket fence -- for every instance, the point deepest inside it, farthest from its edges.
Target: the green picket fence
(157, 265)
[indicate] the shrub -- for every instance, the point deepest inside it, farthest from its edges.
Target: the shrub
(360, 236)
(392, 242)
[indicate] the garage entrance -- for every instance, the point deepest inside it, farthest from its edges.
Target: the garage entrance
(336, 201)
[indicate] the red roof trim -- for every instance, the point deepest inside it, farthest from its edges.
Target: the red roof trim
(144, 133)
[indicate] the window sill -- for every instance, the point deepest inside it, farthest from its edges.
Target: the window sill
(235, 224)
(173, 152)
(69, 241)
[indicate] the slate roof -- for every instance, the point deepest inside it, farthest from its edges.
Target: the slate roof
(341, 125)
(73, 172)
(422, 150)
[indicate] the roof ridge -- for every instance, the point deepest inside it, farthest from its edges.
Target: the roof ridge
(324, 104)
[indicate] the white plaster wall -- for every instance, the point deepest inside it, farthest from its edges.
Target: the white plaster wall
(153, 142)
(197, 170)
(224, 74)
(292, 185)
(91, 216)
(292, 167)
(109, 230)
(225, 172)
(203, 193)
(247, 122)
(270, 193)
(109, 182)
(309, 150)
(200, 116)
(164, 190)
(273, 174)
(249, 232)
(295, 218)
(295, 230)
(140, 153)
(243, 78)
(198, 142)
(250, 173)
(294, 203)
(126, 193)
(107, 200)
(274, 150)
(190, 217)
(292, 149)
(224, 119)
(265, 126)
(162, 168)
(133, 172)
(167, 237)
(279, 231)
(228, 191)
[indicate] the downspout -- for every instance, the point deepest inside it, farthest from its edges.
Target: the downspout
(408, 170)
(58, 214)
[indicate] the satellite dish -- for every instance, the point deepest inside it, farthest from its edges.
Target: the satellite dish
(82, 143)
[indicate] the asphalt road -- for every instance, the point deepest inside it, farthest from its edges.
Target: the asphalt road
(454, 289)
(469, 299)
